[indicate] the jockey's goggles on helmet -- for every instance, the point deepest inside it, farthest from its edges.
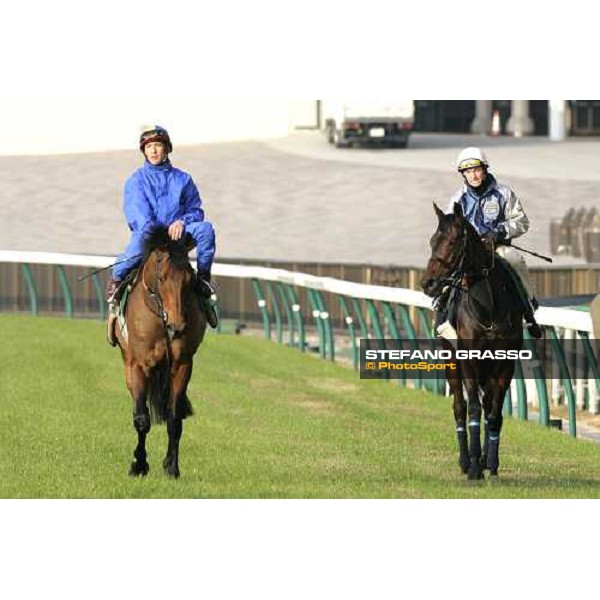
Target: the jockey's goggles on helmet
(470, 163)
(156, 134)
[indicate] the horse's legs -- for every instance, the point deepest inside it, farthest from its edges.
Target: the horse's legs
(141, 420)
(475, 471)
(177, 412)
(487, 408)
(460, 416)
(495, 391)
(171, 461)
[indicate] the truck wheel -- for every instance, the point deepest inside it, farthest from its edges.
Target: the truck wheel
(338, 141)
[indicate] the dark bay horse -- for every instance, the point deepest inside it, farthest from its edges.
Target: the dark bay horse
(164, 327)
(487, 317)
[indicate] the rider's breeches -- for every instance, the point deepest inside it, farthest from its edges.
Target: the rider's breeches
(516, 260)
(204, 238)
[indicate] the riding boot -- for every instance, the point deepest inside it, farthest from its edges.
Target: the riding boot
(528, 306)
(532, 325)
(207, 296)
(112, 298)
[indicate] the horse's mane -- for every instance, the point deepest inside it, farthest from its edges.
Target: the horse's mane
(471, 232)
(159, 238)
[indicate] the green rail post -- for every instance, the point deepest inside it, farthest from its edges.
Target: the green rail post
(99, 295)
(327, 327)
(507, 408)
(64, 284)
(375, 320)
(316, 311)
(364, 332)
(351, 331)
(297, 311)
(276, 311)
(540, 379)
(390, 320)
(288, 312)
(424, 320)
(521, 391)
(262, 305)
(412, 337)
(31, 288)
(566, 379)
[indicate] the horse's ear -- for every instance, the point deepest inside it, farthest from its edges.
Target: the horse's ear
(438, 212)
(458, 213)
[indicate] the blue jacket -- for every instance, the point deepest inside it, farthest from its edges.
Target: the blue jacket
(160, 195)
(497, 209)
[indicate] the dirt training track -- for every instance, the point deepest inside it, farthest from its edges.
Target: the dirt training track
(294, 198)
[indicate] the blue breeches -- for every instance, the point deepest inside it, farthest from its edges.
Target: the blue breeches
(202, 233)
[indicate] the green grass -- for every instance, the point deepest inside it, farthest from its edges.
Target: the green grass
(269, 423)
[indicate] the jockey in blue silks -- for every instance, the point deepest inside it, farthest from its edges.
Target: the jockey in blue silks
(498, 216)
(159, 195)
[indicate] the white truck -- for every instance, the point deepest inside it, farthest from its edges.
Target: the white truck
(348, 122)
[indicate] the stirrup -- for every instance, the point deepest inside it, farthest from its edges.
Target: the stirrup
(210, 311)
(111, 336)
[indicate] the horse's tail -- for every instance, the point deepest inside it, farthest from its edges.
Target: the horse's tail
(158, 395)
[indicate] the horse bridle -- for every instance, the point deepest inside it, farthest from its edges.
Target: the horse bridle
(154, 294)
(456, 275)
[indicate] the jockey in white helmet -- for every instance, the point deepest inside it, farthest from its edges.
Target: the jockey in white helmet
(498, 216)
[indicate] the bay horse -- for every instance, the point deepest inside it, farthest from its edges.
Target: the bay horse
(487, 317)
(164, 326)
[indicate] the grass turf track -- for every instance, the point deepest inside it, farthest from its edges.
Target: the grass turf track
(269, 423)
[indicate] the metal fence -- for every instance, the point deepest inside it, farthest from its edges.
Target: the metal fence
(327, 312)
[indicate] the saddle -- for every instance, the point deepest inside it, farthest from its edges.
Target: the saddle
(513, 287)
(205, 295)
(120, 309)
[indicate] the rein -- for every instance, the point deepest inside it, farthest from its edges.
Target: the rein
(161, 314)
(456, 277)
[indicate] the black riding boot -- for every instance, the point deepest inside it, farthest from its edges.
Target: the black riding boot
(528, 306)
(112, 297)
(532, 325)
(205, 293)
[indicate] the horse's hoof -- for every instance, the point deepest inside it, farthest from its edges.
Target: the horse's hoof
(171, 470)
(172, 473)
(138, 470)
(475, 475)
(464, 465)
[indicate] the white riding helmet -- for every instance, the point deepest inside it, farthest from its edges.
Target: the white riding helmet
(471, 157)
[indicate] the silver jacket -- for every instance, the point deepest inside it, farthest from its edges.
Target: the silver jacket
(498, 209)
